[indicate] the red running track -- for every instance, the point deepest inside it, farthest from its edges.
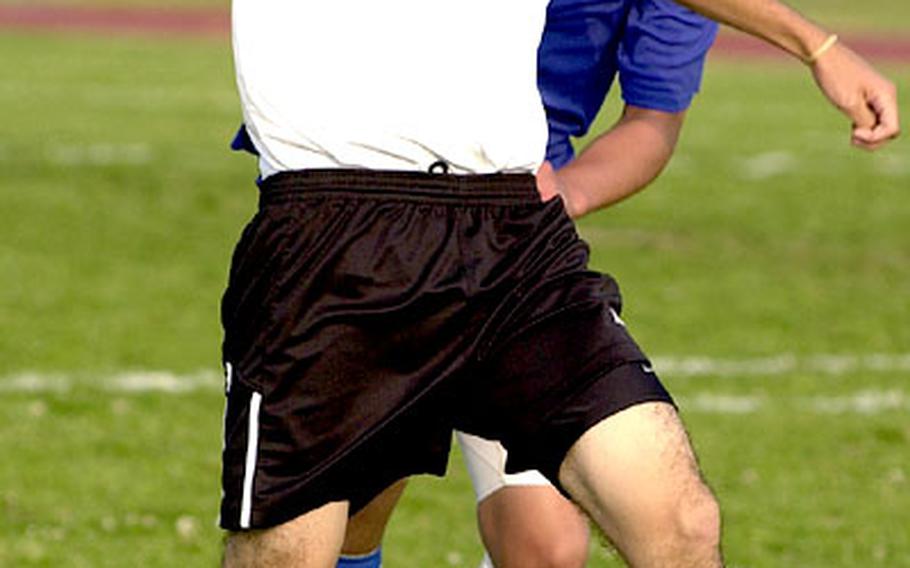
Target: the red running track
(215, 23)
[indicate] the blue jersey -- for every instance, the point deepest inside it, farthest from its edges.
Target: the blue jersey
(657, 48)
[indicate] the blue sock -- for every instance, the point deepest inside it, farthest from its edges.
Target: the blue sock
(371, 560)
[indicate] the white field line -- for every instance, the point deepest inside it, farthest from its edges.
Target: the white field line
(893, 165)
(126, 382)
(673, 367)
(768, 165)
(98, 96)
(784, 364)
(867, 401)
(100, 154)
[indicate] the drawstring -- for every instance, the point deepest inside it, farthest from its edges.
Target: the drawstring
(438, 167)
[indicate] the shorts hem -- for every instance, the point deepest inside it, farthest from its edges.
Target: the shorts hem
(559, 444)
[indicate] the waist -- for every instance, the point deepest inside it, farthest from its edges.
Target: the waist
(500, 188)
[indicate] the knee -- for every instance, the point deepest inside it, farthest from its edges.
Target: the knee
(568, 550)
(698, 522)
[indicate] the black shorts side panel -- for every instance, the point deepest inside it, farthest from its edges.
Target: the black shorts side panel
(567, 368)
(616, 390)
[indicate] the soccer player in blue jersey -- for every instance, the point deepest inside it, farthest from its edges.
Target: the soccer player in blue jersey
(657, 49)
(406, 274)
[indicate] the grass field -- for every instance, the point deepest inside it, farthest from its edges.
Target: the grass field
(770, 249)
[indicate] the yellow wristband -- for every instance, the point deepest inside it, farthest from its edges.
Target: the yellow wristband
(823, 48)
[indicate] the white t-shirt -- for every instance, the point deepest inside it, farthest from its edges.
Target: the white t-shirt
(391, 84)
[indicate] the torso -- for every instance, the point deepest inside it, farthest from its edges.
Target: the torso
(407, 83)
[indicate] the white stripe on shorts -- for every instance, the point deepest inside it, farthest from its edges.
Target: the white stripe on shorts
(252, 451)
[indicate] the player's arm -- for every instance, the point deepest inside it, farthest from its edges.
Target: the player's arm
(617, 163)
(852, 85)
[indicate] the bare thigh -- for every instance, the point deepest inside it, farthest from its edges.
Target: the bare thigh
(635, 473)
(312, 540)
(365, 529)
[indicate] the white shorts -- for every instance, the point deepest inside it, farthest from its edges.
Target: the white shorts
(486, 463)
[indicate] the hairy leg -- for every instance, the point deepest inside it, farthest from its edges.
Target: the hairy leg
(366, 528)
(636, 475)
(312, 540)
(533, 527)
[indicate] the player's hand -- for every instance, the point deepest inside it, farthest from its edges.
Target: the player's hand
(860, 92)
(550, 186)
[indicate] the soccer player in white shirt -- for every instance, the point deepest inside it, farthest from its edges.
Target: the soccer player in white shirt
(312, 105)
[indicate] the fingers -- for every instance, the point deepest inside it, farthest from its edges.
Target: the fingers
(867, 98)
(886, 126)
(863, 115)
(862, 142)
(547, 183)
(885, 108)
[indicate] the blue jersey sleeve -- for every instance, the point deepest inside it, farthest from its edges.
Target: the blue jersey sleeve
(576, 65)
(662, 54)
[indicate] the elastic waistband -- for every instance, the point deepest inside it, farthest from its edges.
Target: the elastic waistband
(519, 188)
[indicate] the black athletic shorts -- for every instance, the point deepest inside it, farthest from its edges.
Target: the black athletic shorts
(370, 313)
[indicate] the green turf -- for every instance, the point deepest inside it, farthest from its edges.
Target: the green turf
(846, 14)
(767, 235)
(121, 202)
(794, 227)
